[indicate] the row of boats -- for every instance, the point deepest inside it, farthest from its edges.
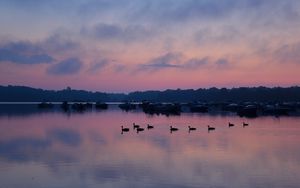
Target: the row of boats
(243, 109)
(138, 128)
(77, 106)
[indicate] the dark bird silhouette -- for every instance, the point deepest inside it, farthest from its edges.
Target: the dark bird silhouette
(192, 128)
(209, 128)
(135, 126)
(173, 129)
(230, 124)
(124, 129)
(149, 127)
(139, 129)
(245, 124)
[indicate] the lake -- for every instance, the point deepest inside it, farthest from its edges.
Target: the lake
(41, 149)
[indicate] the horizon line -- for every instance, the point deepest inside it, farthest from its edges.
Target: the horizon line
(133, 91)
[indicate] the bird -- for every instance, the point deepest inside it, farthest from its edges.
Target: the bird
(139, 129)
(209, 128)
(173, 129)
(192, 128)
(245, 124)
(149, 127)
(135, 126)
(230, 124)
(124, 129)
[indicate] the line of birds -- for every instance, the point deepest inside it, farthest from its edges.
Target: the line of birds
(138, 128)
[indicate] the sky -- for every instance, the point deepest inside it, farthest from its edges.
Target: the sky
(129, 45)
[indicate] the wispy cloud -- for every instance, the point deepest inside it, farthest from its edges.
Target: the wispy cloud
(26, 52)
(58, 43)
(23, 52)
(288, 53)
(115, 32)
(223, 34)
(118, 67)
(99, 65)
(169, 60)
(195, 63)
(66, 67)
(179, 61)
(222, 63)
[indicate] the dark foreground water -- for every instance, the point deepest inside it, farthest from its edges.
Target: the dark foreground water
(55, 149)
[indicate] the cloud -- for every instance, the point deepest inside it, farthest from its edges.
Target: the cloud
(127, 33)
(178, 11)
(66, 67)
(222, 62)
(174, 11)
(58, 43)
(207, 63)
(161, 11)
(169, 60)
(188, 10)
(10, 56)
(23, 52)
(212, 35)
(99, 65)
(22, 47)
(195, 63)
(118, 67)
(288, 53)
(179, 61)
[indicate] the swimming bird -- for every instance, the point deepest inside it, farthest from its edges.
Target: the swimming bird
(124, 129)
(173, 129)
(192, 128)
(149, 127)
(209, 128)
(135, 126)
(245, 124)
(230, 124)
(139, 129)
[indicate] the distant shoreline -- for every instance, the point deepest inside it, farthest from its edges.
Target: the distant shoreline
(58, 103)
(24, 94)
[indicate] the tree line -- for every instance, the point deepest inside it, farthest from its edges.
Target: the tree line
(242, 94)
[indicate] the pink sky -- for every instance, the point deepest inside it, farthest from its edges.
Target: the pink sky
(122, 46)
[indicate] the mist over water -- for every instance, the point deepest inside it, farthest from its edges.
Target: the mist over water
(55, 149)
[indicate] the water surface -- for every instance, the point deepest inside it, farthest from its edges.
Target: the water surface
(55, 149)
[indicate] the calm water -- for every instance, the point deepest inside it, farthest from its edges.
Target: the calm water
(54, 149)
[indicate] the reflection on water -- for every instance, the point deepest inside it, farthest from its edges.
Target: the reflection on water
(88, 150)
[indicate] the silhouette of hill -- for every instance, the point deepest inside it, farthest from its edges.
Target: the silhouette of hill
(28, 94)
(258, 94)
